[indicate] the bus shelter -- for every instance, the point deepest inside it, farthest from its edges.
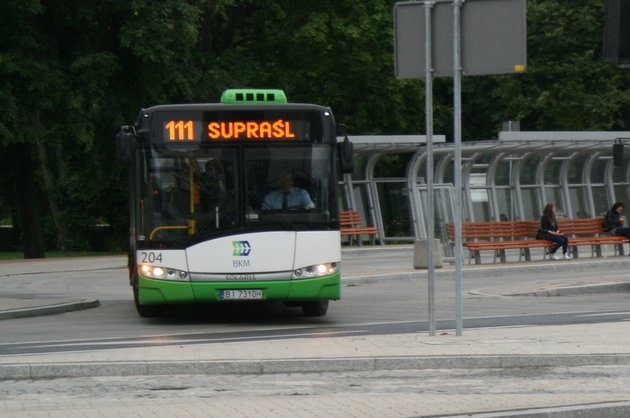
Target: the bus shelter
(378, 187)
(511, 178)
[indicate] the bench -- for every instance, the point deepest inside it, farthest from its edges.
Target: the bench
(501, 236)
(351, 225)
(497, 237)
(590, 232)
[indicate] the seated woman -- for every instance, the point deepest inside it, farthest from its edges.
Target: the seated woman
(613, 221)
(549, 231)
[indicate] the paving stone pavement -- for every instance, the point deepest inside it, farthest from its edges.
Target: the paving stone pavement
(362, 394)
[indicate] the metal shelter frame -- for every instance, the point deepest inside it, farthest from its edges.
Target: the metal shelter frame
(511, 178)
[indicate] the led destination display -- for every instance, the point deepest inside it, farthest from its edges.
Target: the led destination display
(184, 130)
(198, 127)
(278, 129)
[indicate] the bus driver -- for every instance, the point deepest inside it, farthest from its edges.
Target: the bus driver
(287, 196)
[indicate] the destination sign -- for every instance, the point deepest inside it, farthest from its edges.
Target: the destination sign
(198, 127)
(196, 131)
(278, 129)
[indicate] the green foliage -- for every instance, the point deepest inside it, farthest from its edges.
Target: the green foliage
(72, 72)
(567, 85)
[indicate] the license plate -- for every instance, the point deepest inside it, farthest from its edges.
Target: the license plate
(242, 294)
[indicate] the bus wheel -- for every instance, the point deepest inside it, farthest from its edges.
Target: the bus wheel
(148, 311)
(145, 311)
(316, 308)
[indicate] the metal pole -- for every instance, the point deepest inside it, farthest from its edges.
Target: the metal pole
(457, 121)
(428, 87)
(350, 200)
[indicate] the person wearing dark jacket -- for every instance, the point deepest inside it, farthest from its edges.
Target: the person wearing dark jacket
(613, 221)
(549, 231)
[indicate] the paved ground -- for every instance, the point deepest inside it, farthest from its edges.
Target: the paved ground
(568, 370)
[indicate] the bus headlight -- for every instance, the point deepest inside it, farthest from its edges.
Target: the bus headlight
(316, 270)
(164, 273)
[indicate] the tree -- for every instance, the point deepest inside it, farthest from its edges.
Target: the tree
(28, 87)
(73, 72)
(567, 86)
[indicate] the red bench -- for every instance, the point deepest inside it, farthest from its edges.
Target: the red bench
(497, 237)
(589, 232)
(352, 225)
(505, 235)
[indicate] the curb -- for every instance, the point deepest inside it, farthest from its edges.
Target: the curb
(598, 410)
(494, 271)
(578, 290)
(50, 309)
(564, 290)
(306, 365)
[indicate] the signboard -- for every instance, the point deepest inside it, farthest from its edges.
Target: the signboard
(178, 128)
(493, 38)
(241, 130)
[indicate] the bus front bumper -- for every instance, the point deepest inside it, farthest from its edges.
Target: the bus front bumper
(153, 291)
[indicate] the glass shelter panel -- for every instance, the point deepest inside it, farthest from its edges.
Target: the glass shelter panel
(579, 202)
(576, 168)
(618, 175)
(449, 176)
(528, 169)
(502, 175)
(395, 210)
(600, 199)
(621, 194)
(598, 172)
(552, 172)
(530, 203)
(505, 201)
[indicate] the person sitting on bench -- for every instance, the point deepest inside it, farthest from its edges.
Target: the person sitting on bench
(549, 231)
(613, 221)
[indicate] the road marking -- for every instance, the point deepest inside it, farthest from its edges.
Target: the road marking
(176, 341)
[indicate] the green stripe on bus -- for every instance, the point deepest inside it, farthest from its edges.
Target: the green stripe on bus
(163, 291)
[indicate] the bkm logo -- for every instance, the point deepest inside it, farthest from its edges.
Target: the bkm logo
(241, 248)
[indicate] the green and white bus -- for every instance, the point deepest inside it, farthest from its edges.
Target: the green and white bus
(210, 216)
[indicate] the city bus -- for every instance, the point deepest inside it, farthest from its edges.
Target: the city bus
(234, 201)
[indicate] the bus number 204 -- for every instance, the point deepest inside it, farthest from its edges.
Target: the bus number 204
(151, 257)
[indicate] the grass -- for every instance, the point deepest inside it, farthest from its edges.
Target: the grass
(18, 255)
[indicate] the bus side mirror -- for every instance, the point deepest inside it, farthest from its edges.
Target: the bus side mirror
(346, 156)
(124, 145)
(617, 153)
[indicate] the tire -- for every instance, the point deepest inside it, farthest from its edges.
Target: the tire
(315, 308)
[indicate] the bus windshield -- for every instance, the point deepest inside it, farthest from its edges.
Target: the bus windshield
(188, 198)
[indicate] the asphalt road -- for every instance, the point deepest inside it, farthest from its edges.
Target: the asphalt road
(380, 307)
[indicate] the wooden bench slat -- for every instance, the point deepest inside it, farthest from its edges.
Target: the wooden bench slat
(351, 223)
(503, 235)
